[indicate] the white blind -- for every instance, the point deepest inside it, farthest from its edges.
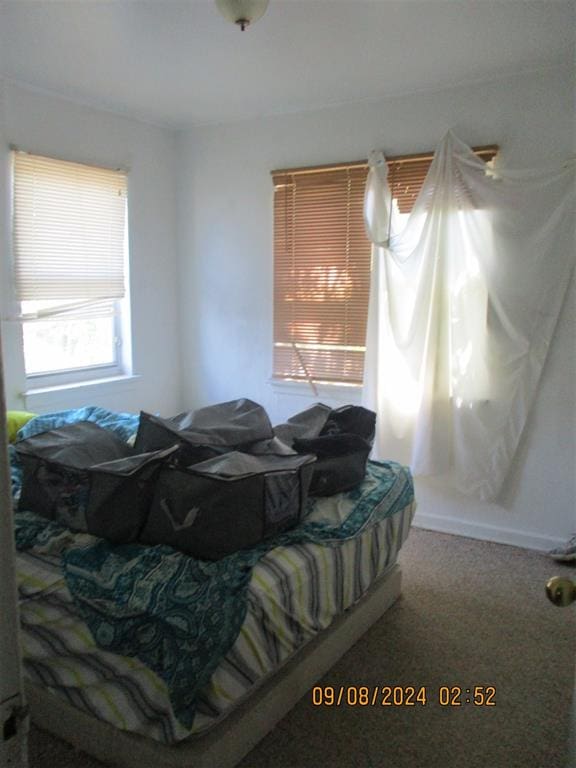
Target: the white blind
(69, 222)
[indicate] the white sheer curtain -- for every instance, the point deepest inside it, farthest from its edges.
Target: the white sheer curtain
(464, 301)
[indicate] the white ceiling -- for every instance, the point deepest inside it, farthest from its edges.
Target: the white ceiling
(180, 63)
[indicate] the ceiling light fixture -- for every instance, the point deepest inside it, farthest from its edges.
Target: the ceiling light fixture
(242, 12)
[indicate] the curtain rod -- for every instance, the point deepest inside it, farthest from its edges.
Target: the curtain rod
(489, 149)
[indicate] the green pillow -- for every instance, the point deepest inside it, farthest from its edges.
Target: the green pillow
(16, 420)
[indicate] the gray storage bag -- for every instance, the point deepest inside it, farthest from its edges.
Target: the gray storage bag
(206, 432)
(341, 439)
(121, 493)
(87, 478)
(231, 502)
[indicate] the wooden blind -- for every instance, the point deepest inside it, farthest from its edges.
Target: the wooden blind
(321, 275)
(322, 261)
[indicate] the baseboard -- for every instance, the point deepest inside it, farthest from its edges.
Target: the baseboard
(458, 527)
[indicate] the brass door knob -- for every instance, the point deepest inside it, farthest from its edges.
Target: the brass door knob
(561, 591)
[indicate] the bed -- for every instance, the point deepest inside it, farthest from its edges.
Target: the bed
(308, 599)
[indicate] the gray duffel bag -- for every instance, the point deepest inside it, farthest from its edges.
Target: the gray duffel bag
(227, 503)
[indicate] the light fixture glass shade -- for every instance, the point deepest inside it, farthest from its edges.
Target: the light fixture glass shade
(242, 12)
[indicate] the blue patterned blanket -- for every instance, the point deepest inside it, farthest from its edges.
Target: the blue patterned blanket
(179, 615)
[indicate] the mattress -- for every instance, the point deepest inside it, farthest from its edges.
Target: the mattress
(295, 591)
(230, 740)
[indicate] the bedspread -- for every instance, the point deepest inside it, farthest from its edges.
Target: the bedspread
(181, 616)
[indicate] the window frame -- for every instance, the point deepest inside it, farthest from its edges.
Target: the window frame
(122, 365)
(102, 371)
(353, 256)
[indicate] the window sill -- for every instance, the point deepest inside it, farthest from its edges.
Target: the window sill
(329, 391)
(60, 395)
(114, 381)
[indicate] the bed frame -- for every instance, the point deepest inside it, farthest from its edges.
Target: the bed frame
(227, 742)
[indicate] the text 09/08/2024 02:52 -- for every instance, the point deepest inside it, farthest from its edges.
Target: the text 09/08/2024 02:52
(403, 695)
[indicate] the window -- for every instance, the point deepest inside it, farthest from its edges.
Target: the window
(322, 261)
(69, 267)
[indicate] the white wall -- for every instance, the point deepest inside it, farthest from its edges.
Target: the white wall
(47, 125)
(225, 241)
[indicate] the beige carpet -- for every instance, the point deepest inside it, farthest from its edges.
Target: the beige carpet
(472, 613)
